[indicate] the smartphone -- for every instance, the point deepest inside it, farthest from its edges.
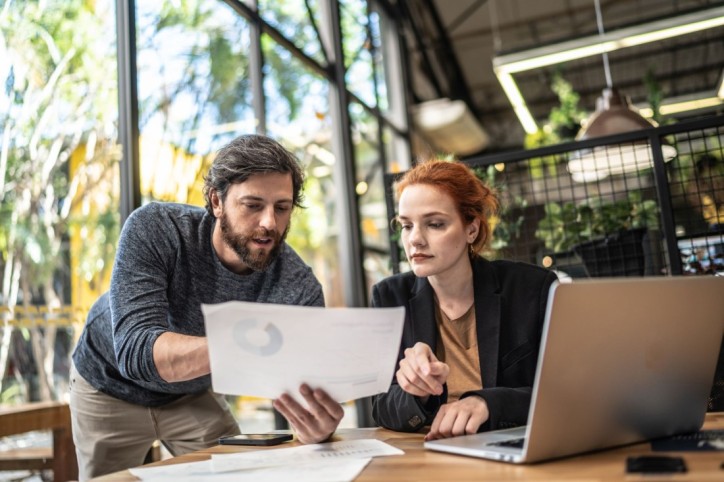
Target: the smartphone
(655, 464)
(256, 439)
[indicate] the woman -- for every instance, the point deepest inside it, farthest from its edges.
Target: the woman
(472, 327)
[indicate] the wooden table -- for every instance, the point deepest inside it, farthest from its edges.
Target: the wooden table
(419, 464)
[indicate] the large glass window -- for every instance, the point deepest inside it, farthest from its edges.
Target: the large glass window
(375, 41)
(298, 116)
(59, 185)
(366, 79)
(194, 92)
(59, 152)
(357, 47)
(297, 21)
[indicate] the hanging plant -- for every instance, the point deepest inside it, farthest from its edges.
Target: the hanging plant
(563, 124)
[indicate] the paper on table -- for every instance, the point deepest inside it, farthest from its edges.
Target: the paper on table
(176, 471)
(327, 471)
(342, 450)
(265, 350)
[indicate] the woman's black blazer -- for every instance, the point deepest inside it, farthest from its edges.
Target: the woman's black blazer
(510, 305)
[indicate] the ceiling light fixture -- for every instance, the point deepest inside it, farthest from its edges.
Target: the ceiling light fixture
(450, 126)
(506, 65)
(614, 115)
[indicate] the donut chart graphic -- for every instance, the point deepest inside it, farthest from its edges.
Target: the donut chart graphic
(257, 337)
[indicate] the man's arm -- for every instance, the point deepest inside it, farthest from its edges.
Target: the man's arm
(181, 357)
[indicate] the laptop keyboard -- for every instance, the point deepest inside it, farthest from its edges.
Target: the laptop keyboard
(515, 442)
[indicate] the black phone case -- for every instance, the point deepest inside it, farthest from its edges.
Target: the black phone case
(275, 439)
(655, 464)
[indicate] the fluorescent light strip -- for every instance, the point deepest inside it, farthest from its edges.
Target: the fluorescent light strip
(667, 109)
(610, 41)
(720, 93)
(596, 45)
(675, 107)
(518, 103)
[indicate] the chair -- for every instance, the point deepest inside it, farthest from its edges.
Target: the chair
(53, 416)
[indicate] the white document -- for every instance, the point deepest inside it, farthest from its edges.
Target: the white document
(327, 471)
(304, 454)
(265, 350)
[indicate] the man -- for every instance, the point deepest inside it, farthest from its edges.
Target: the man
(141, 367)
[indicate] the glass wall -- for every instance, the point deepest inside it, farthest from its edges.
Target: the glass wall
(372, 125)
(194, 92)
(59, 185)
(198, 84)
(298, 115)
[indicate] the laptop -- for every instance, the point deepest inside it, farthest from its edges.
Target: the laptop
(621, 361)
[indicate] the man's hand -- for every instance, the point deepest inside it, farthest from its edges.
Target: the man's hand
(421, 373)
(459, 418)
(315, 424)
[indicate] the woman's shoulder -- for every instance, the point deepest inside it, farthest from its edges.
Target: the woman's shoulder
(394, 286)
(397, 280)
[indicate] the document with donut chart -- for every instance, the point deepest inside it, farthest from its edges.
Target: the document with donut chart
(265, 350)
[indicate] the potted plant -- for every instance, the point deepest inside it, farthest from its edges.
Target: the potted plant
(609, 236)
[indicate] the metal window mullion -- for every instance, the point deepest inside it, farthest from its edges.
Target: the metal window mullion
(348, 218)
(128, 130)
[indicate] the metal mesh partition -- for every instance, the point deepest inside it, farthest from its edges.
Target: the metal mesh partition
(696, 178)
(603, 221)
(645, 203)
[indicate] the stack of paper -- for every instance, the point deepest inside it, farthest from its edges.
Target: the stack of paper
(328, 462)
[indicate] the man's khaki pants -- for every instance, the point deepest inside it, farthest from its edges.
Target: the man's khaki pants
(112, 435)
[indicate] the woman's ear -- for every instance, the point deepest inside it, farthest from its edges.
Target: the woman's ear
(473, 229)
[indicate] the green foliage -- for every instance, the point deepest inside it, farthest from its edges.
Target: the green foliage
(58, 108)
(563, 123)
(291, 79)
(12, 394)
(566, 225)
(509, 219)
(228, 76)
(565, 120)
(210, 82)
(57, 68)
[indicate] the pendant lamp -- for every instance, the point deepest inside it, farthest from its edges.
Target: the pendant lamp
(614, 115)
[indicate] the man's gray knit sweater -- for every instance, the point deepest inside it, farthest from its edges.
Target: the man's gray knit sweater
(165, 268)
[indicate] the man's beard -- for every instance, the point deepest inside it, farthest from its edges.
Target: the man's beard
(256, 260)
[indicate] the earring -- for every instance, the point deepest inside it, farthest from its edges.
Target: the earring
(471, 250)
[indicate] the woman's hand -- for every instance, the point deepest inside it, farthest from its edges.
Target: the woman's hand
(421, 373)
(315, 424)
(459, 418)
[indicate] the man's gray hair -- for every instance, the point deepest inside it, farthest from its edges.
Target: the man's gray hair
(248, 155)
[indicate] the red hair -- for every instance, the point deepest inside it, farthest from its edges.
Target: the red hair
(473, 199)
